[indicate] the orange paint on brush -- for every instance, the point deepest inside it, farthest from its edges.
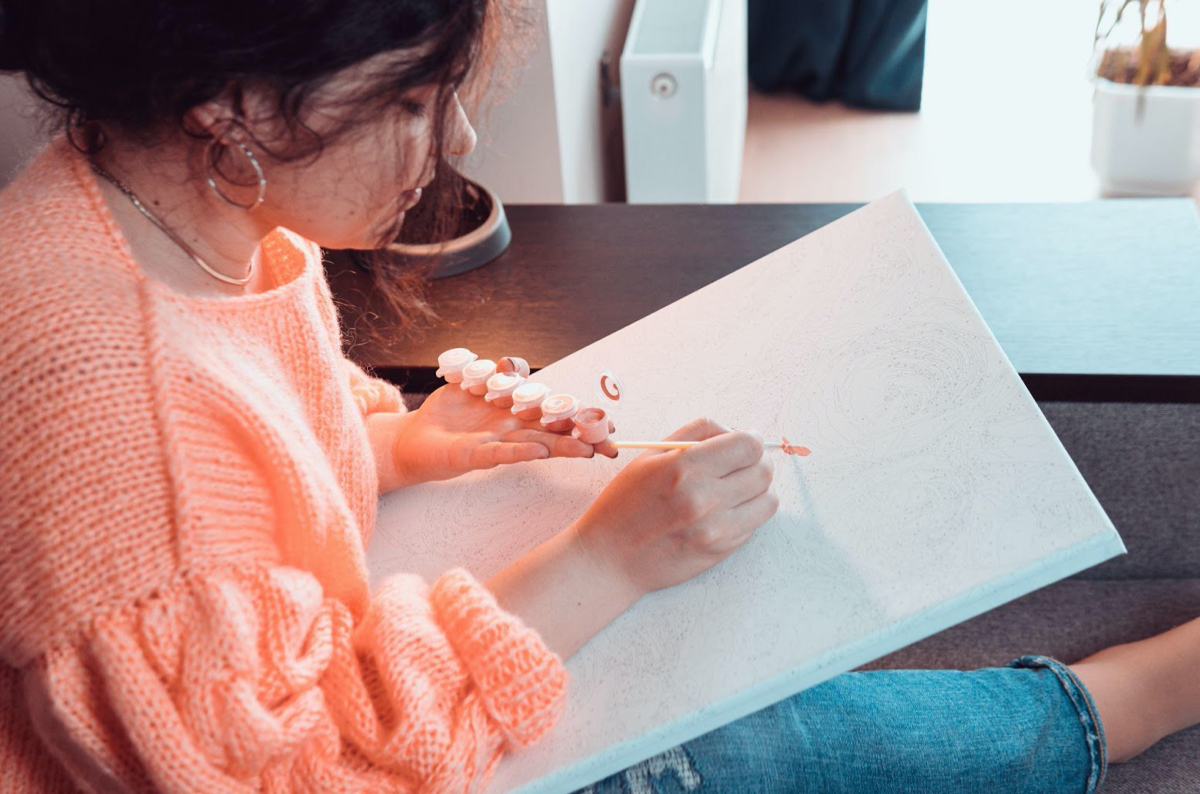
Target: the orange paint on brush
(792, 449)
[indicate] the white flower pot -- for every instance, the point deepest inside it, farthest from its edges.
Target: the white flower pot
(1151, 151)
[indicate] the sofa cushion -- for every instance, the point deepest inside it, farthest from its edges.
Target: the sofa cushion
(1143, 464)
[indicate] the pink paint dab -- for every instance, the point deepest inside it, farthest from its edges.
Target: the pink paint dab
(792, 449)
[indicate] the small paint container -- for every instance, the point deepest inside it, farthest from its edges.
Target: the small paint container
(557, 411)
(475, 376)
(591, 425)
(528, 399)
(500, 388)
(452, 362)
(514, 365)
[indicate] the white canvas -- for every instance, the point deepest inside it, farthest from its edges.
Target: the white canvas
(935, 490)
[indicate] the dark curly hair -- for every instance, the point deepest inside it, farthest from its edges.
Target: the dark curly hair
(133, 65)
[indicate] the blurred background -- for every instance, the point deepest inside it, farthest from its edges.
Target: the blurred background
(828, 100)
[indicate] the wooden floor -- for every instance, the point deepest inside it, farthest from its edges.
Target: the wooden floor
(1006, 116)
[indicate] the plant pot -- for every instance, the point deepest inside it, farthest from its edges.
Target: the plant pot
(1146, 139)
(478, 233)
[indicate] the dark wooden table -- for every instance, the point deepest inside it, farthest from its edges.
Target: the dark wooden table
(1091, 301)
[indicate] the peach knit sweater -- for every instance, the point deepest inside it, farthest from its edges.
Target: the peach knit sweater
(186, 488)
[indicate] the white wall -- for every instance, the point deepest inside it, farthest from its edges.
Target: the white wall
(518, 152)
(20, 130)
(550, 141)
(589, 136)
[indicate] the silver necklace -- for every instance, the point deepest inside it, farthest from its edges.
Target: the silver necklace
(209, 269)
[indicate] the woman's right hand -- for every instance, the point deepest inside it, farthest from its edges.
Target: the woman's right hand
(665, 518)
(670, 516)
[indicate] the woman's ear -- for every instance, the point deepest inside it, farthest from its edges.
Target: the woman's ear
(246, 107)
(248, 114)
(212, 118)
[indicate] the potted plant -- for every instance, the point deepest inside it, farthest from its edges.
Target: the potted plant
(1146, 122)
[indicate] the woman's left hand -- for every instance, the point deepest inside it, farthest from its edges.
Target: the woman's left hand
(454, 432)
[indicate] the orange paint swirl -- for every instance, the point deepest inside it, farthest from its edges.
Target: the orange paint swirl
(611, 390)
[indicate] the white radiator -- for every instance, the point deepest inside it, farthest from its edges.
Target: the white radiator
(683, 101)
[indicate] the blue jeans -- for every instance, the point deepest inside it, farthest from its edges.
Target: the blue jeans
(1027, 727)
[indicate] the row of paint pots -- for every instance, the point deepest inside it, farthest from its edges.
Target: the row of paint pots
(503, 384)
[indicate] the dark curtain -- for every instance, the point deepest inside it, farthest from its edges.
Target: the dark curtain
(866, 53)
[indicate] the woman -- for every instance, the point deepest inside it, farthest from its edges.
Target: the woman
(191, 466)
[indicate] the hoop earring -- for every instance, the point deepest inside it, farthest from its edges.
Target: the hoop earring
(210, 167)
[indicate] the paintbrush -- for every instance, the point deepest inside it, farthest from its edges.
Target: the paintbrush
(790, 449)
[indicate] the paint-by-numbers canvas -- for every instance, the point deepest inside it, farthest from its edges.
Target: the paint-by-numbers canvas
(935, 490)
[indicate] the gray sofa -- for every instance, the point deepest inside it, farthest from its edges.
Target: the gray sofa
(1143, 463)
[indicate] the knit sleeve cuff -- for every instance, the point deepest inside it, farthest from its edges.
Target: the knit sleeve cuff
(522, 682)
(372, 395)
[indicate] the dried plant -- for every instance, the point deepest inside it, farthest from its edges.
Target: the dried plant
(1149, 61)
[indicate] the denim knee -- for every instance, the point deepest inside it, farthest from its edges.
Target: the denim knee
(1030, 726)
